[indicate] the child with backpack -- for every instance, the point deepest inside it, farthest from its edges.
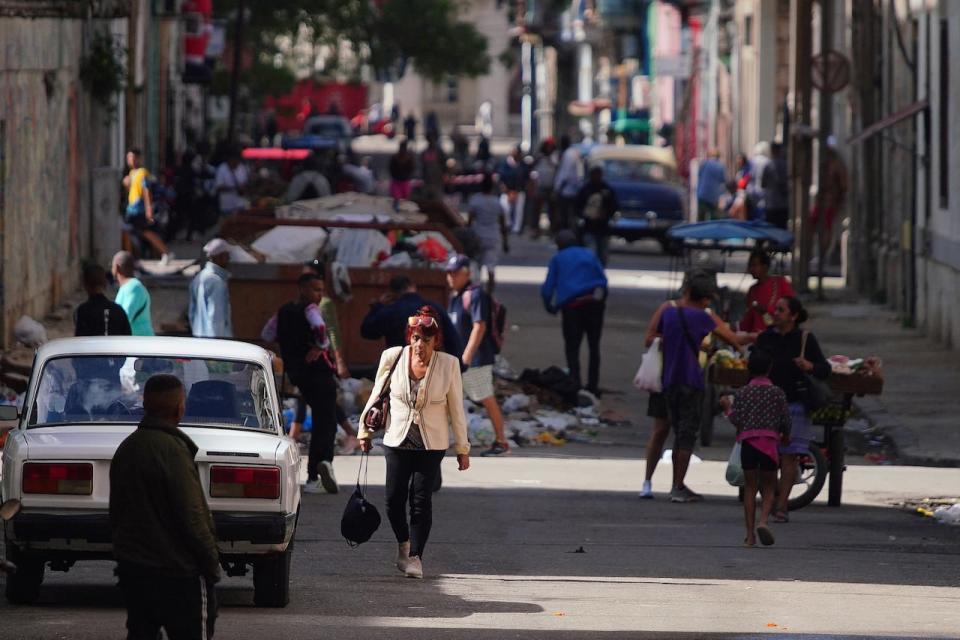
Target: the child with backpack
(762, 418)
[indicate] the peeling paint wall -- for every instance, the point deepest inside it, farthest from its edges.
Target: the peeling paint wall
(45, 195)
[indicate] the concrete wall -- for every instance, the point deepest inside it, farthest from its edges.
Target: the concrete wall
(761, 73)
(43, 197)
(56, 146)
(938, 226)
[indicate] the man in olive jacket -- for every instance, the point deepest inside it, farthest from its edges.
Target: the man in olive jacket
(163, 536)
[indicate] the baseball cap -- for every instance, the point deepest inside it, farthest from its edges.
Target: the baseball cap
(216, 247)
(457, 262)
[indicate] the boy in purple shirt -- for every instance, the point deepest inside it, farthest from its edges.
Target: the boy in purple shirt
(683, 326)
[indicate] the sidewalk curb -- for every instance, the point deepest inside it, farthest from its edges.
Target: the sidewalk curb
(904, 438)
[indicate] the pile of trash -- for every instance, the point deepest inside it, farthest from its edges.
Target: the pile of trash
(948, 515)
(943, 510)
(539, 408)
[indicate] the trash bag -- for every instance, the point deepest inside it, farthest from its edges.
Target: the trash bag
(649, 376)
(734, 467)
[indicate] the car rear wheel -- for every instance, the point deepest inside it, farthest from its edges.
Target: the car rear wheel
(23, 586)
(271, 579)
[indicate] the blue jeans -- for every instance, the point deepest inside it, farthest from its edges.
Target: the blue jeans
(599, 243)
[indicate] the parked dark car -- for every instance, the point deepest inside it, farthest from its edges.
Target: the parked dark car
(323, 133)
(649, 191)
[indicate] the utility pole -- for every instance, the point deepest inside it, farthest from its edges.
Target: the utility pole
(800, 147)
(235, 72)
(825, 116)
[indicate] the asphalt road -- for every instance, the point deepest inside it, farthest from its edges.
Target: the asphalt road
(552, 543)
(550, 546)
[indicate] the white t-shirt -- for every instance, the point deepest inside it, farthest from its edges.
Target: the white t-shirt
(226, 182)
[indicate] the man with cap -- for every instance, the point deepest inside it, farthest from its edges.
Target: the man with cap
(209, 311)
(470, 312)
(577, 286)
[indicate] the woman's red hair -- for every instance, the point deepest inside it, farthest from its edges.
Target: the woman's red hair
(427, 332)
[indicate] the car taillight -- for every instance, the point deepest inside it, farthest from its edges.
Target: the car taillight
(73, 478)
(245, 482)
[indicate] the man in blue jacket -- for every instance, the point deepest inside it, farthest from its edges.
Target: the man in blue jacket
(387, 318)
(577, 286)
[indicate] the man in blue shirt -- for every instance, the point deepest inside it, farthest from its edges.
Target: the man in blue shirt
(577, 286)
(470, 313)
(711, 184)
(209, 310)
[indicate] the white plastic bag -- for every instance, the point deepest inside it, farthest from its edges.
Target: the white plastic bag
(735, 467)
(649, 376)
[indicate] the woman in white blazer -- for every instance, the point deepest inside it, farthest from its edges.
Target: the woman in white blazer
(426, 404)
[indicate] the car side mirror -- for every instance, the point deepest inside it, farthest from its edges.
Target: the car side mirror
(8, 413)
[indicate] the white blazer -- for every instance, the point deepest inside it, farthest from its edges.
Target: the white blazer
(438, 409)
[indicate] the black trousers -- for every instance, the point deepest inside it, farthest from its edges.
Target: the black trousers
(410, 477)
(185, 607)
(318, 386)
(584, 320)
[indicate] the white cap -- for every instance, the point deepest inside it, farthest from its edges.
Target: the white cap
(216, 247)
(832, 141)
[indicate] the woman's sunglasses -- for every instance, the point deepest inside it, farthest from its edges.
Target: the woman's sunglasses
(426, 322)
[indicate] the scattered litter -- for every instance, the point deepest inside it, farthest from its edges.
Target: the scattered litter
(502, 369)
(948, 515)
(480, 430)
(516, 403)
(30, 332)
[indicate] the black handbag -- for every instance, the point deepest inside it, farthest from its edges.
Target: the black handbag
(815, 392)
(375, 419)
(360, 518)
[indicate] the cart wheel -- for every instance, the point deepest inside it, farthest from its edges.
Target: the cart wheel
(707, 413)
(813, 475)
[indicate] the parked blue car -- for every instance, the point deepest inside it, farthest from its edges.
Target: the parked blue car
(650, 193)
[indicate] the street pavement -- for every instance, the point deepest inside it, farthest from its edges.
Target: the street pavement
(542, 545)
(552, 542)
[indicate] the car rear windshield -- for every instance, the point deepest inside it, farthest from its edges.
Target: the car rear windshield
(638, 170)
(109, 389)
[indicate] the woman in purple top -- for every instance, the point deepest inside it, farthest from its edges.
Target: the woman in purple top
(683, 325)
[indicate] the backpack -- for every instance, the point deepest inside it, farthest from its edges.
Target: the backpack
(498, 318)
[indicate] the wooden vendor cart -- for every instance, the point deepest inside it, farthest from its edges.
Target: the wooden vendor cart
(826, 456)
(258, 290)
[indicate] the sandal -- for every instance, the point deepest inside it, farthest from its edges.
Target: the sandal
(781, 516)
(765, 535)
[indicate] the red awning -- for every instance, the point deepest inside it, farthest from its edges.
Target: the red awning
(889, 121)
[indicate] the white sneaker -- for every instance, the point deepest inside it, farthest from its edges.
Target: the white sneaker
(313, 486)
(403, 556)
(647, 492)
(327, 479)
(414, 568)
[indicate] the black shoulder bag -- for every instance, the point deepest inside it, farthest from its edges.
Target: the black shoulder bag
(360, 518)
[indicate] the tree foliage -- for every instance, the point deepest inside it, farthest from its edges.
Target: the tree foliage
(429, 34)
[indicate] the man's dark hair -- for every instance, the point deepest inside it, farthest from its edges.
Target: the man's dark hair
(161, 395)
(596, 172)
(487, 185)
(94, 277)
(135, 151)
(566, 238)
(399, 284)
(307, 278)
(761, 255)
(760, 362)
(700, 284)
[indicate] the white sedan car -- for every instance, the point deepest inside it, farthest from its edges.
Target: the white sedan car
(86, 395)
